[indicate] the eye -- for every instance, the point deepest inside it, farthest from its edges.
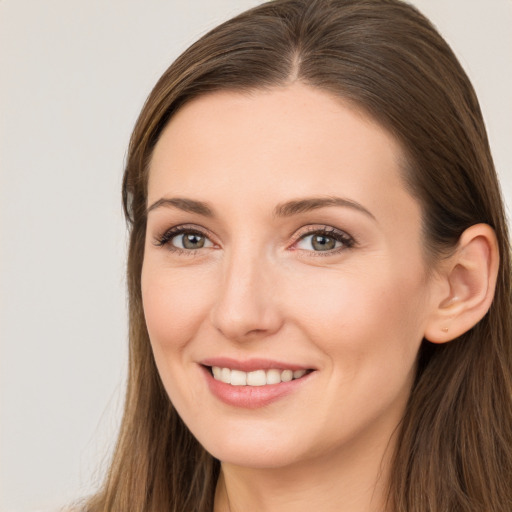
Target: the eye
(190, 240)
(325, 240)
(184, 239)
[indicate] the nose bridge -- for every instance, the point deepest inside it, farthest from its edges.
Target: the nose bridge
(245, 304)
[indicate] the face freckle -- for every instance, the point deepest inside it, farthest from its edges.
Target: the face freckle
(259, 175)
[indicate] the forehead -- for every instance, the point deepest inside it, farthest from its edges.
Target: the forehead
(293, 140)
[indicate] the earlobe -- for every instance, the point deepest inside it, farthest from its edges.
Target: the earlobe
(466, 285)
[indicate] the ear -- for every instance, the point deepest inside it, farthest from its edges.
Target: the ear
(465, 288)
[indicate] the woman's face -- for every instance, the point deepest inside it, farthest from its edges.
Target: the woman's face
(281, 239)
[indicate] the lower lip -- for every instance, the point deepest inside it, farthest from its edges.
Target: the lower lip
(252, 397)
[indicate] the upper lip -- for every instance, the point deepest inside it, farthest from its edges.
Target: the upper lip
(250, 365)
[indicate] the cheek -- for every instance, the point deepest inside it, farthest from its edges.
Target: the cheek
(369, 326)
(365, 315)
(175, 303)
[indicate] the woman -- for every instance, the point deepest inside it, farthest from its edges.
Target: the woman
(319, 275)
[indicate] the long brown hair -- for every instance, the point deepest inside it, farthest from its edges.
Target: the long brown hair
(454, 451)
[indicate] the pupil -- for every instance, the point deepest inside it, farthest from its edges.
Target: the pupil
(323, 243)
(193, 241)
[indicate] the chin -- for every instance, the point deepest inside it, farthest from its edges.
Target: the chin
(254, 457)
(259, 449)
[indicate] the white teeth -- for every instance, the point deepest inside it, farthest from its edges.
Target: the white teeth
(238, 378)
(255, 378)
(273, 376)
(225, 375)
(286, 375)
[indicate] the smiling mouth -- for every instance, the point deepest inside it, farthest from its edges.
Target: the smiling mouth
(257, 377)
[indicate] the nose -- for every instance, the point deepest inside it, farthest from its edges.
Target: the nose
(246, 306)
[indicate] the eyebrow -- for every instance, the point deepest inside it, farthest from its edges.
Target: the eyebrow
(287, 209)
(313, 203)
(187, 205)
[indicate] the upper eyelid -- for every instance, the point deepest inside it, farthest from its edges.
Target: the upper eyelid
(187, 227)
(311, 229)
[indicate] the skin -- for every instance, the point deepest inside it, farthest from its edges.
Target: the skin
(258, 289)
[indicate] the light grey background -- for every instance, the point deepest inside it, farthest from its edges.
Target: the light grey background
(74, 75)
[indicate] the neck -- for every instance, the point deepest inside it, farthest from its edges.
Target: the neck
(353, 480)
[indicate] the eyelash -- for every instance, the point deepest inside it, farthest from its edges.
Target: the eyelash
(164, 240)
(345, 239)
